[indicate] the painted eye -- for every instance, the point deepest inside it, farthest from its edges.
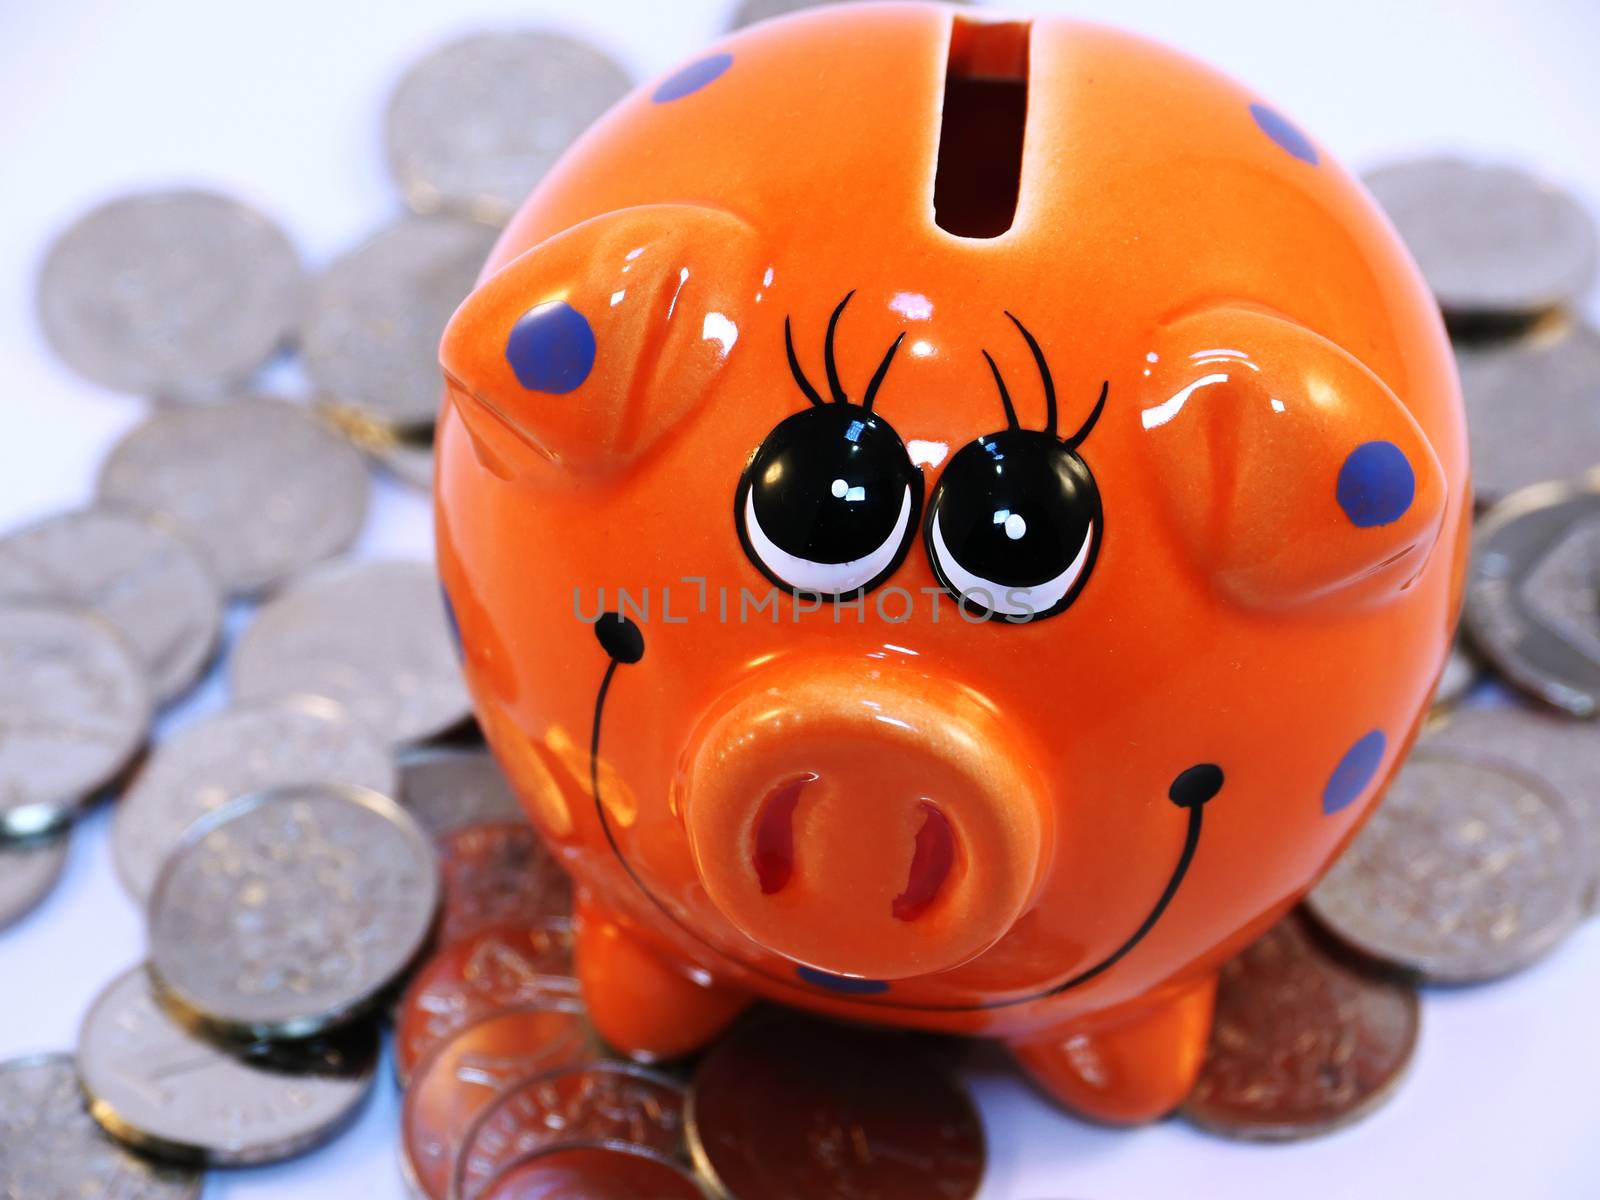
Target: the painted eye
(830, 501)
(1015, 525)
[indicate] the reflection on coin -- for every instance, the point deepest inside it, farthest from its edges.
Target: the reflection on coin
(1469, 870)
(1532, 604)
(169, 1092)
(1456, 680)
(53, 1150)
(601, 1102)
(507, 966)
(1489, 239)
(74, 708)
(598, 1171)
(372, 636)
(29, 870)
(462, 1077)
(289, 911)
(260, 486)
(1302, 1044)
(477, 123)
(1563, 752)
(377, 314)
(405, 454)
(446, 790)
(791, 1110)
(499, 875)
(1533, 406)
(206, 764)
(169, 292)
(145, 580)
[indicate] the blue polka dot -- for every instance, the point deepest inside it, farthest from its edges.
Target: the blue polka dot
(847, 984)
(692, 78)
(1354, 772)
(1278, 128)
(551, 348)
(455, 625)
(1376, 484)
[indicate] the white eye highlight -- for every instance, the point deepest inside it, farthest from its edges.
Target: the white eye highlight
(804, 575)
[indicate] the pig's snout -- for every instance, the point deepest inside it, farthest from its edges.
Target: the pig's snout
(861, 825)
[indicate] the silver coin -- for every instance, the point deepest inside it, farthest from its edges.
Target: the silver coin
(750, 12)
(51, 1148)
(167, 1091)
(202, 766)
(170, 292)
(1470, 869)
(1459, 676)
(1563, 752)
(1533, 408)
(1490, 240)
(476, 124)
(29, 871)
(261, 487)
(287, 912)
(372, 636)
(141, 577)
(74, 709)
(1533, 593)
(376, 316)
(446, 790)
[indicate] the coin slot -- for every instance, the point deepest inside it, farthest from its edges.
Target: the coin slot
(931, 862)
(979, 171)
(773, 854)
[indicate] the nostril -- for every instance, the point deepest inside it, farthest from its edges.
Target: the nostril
(773, 855)
(931, 860)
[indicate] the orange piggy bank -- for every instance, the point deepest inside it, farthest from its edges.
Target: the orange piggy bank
(952, 523)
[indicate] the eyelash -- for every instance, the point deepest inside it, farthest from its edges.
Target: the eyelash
(835, 388)
(1078, 438)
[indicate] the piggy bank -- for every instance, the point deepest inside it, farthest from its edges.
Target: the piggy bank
(952, 522)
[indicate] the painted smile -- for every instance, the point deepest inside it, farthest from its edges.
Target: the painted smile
(1190, 791)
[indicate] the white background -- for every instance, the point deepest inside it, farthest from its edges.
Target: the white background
(280, 103)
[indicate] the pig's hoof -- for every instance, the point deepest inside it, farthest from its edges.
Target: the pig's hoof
(641, 1004)
(1127, 1073)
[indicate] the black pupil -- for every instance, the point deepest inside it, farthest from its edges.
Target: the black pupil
(828, 484)
(1014, 507)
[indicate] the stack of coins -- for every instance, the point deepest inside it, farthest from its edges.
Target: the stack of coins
(111, 613)
(509, 1091)
(287, 885)
(1485, 850)
(314, 858)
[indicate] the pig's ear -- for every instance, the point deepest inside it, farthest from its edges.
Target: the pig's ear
(1291, 473)
(590, 346)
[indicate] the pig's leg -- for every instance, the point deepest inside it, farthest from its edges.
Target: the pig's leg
(1124, 1073)
(640, 1003)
